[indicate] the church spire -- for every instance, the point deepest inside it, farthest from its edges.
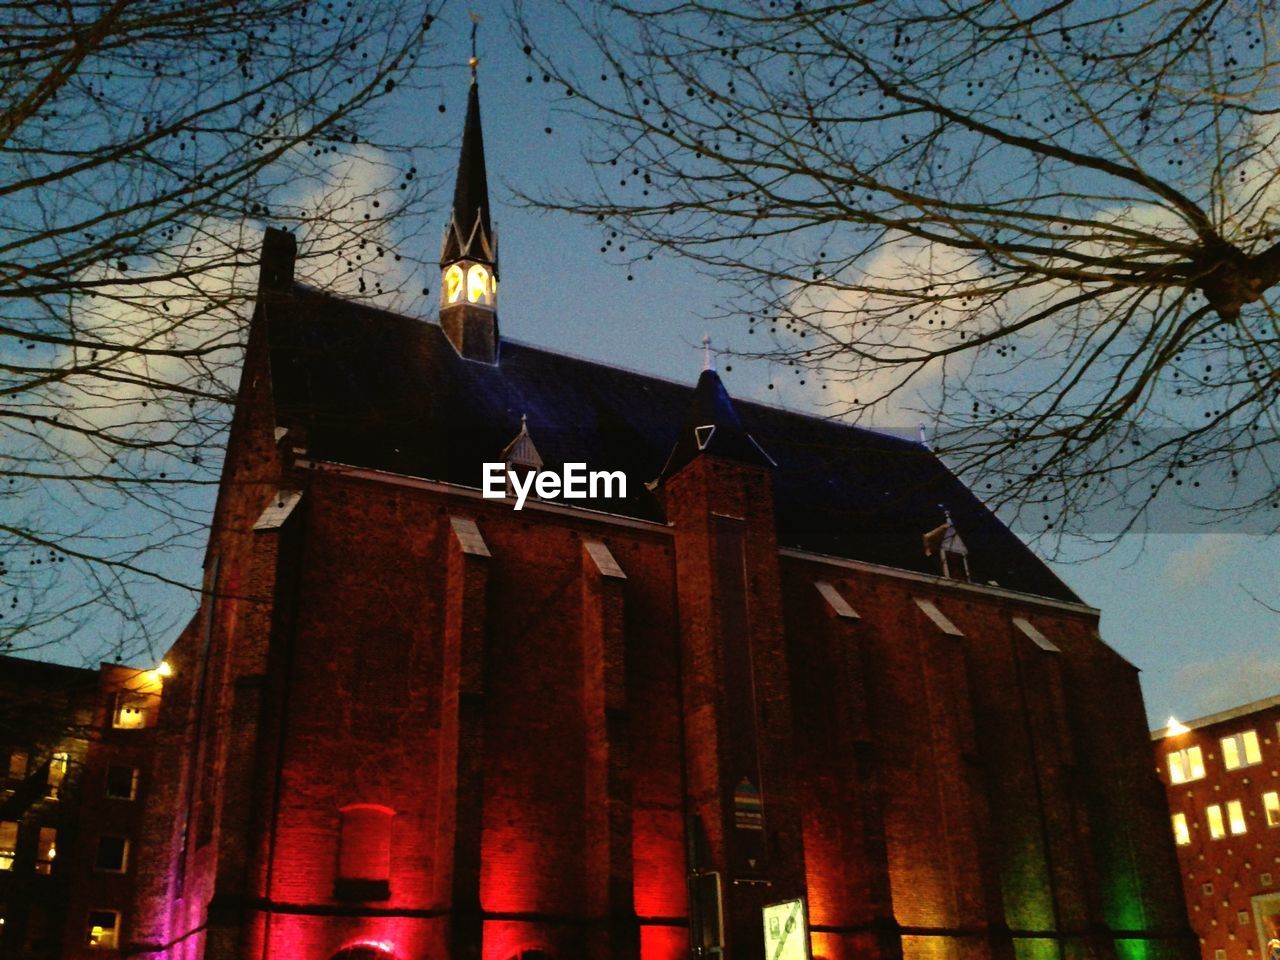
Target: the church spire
(470, 231)
(469, 254)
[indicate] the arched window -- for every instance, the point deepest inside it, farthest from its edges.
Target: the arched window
(478, 284)
(453, 284)
(364, 852)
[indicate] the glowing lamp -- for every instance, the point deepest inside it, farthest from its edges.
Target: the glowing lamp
(164, 670)
(1174, 728)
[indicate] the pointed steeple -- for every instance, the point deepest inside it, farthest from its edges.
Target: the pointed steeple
(469, 254)
(470, 231)
(712, 427)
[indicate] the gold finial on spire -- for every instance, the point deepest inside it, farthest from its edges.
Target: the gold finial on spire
(706, 352)
(475, 60)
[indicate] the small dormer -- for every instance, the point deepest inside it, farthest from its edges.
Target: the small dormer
(944, 542)
(521, 456)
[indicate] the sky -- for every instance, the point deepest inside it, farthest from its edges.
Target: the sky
(1180, 607)
(1177, 606)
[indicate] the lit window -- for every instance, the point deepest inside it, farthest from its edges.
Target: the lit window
(17, 765)
(1187, 764)
(122, 782)
(113, 855)
(103, 929)
(57, 773)
(46, 849)
(8, 843)
(1214, 815)
(1241, 750)
(130, 712)
(478, 284)
(1271, 804)
(1180, 832)
(453, 284)
(1235, 816)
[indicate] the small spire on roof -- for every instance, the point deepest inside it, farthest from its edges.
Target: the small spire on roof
(706, 352)
(521, 452)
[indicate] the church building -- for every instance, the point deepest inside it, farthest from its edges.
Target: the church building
(755, 686)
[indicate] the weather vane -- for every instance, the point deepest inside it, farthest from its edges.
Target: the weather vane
(475, 60)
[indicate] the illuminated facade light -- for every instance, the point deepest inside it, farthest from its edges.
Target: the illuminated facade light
(1175, 728)
(164, 670)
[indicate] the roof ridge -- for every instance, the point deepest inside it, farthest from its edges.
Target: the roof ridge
(579, 358)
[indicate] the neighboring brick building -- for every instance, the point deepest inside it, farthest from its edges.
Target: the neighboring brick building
(1222, 775)
(412, 722)
(74, 743)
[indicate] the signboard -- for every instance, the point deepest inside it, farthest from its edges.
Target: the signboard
(786, 931)
(748, 809)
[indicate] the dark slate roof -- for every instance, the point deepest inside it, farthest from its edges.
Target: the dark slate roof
(470, 193)
(378, 390)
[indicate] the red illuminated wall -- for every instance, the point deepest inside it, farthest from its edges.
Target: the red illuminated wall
(544, 700)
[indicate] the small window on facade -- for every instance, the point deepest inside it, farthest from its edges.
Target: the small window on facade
(130, 711)
(103, 929)
(57, 773)
(46, 849)
(1206, 889)
(1243, 917)
(8, 843)
(1264, 879)
(1216, 828)
(113, 855)
(364, 852)
(1180, 832)
(122, 782)
(1235, 817)
(1219, 955)
(1271, 804)
(1186, 765)
(17, 764)
(1241, 750)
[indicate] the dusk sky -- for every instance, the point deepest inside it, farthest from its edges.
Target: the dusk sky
(1180, 606)
(1176, 605)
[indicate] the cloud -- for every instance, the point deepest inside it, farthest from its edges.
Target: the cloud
(1200, 561)
(1225, 681)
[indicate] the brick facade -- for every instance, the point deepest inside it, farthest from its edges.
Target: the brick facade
(1231, 880)
(410, 722)
(73, 788)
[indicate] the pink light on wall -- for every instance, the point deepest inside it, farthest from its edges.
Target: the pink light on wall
(663, 943)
